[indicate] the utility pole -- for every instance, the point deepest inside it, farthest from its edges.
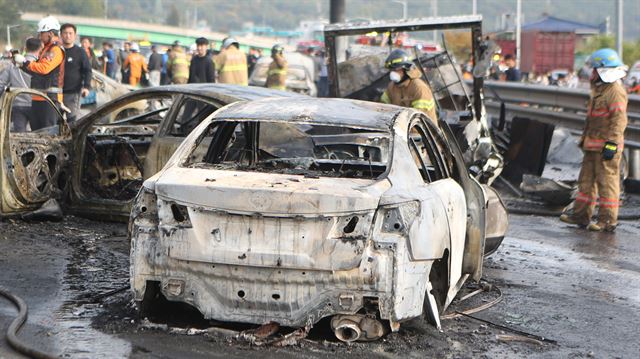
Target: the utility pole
(9, 27)
(620, 23)
(106, 7)
(518, 29)
(474, 7)
(434, 13)
(337, 14)
(404, 7)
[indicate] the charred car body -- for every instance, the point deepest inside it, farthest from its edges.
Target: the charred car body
(97, 165)
(292, 210)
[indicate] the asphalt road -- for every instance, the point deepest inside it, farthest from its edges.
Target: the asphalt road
(579, 289)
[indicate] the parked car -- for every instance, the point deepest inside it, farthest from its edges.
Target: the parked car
(299, 74)
(96, 166)
(293, 210)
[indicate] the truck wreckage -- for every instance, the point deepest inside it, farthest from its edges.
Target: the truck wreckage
(293, 210)
(95, 166)
(359, 73)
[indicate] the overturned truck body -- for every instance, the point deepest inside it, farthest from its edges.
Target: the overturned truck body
(357, 72)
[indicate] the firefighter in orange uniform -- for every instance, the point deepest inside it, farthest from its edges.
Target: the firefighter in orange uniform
(602, 142)
(47, 74)
(136, 65)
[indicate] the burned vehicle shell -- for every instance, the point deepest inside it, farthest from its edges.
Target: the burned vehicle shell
(95, 166)
(292, 210)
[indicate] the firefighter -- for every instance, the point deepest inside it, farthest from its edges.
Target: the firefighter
(602, 141)
(231, 63)
(135, 64)
(47, 73)
(277, 74)
(178, 65)
(406, 87)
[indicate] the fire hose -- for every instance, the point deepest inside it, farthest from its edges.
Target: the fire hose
(15, 326)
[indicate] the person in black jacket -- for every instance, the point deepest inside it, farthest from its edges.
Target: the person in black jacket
(77, 72)
(202, 68)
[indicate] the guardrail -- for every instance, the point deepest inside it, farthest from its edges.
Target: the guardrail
(573, 99)
(564, 107)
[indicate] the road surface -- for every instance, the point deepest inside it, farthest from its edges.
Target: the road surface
(579, 289)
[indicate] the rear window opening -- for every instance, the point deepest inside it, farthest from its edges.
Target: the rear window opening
(292, 148)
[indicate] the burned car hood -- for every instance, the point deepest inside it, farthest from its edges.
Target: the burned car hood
(268, 193)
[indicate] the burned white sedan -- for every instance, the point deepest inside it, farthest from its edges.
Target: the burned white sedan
(292, 210)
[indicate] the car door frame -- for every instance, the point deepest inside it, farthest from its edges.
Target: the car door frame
(163, 135)
(475, 197)
(13, 200)
(104, 208)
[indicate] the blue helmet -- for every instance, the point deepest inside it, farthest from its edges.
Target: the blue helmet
(605, 58)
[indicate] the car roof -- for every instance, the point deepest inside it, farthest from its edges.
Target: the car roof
(329, 111)
(215, 90)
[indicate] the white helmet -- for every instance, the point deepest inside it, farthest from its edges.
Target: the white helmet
(229, 41)
(49, 23)
(135, 47)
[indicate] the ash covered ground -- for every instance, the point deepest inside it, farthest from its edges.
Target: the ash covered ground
(578, 289)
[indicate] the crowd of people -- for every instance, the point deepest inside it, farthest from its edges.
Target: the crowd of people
(60, 64)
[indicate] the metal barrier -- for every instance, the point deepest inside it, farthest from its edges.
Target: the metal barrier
(564, 107)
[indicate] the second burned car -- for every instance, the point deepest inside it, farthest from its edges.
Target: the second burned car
(293, 210)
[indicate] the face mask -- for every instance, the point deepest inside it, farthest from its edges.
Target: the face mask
(395, 77)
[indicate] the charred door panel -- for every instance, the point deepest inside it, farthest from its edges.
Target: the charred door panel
(40, 166)
(35, 164)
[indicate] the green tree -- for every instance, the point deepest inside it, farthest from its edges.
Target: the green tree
(10, 16)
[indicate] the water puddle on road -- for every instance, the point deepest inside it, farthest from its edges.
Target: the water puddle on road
(91, 271)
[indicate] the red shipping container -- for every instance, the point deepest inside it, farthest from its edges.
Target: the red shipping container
(508, 47)
(547, 51)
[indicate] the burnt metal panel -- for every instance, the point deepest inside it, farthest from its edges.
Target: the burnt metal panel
(338, 112)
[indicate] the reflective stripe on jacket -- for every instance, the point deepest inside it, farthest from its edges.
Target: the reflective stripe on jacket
(277, 73)
(232, 66)
(412, 92)
(606, 117)
(47, 73)
(178, 66)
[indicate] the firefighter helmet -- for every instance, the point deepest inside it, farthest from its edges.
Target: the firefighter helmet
(48, 23)
(230, 41)
(605, 58)
(277, 49)
(397, 59)
(608, 64)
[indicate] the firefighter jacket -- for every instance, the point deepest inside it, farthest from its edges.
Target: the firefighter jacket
(232, 66)
(47, 73)
(277, 73)
(606, 117)
(412, 92)
(178, 66)
(136, 65)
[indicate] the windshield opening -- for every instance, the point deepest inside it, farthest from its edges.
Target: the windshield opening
(292, 148)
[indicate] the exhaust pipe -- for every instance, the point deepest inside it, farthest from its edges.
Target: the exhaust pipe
(347, 331)
(350, 328)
